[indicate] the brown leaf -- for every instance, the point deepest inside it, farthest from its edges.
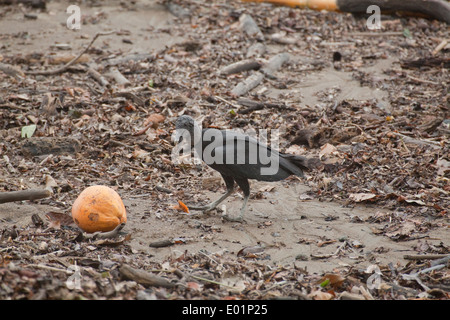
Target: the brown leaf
(154, 120)
(320, 295)
(335, 280)
(58, 219)
(359, 197)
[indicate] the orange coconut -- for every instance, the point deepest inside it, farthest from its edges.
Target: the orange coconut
(98, 208)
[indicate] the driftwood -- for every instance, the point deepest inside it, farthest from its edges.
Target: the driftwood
(436, 9)
(426, 62)
(240, 66)
(32, 194)
(249, 26)
(38, 4)
(144, 278)
(426, 256)
(162, 243)
(255, 79)
(248, 84)
(256, 50)
(11, 70)
(98, 77)
(274, 64)
(118, 77)
(49, 145)
(177, 10)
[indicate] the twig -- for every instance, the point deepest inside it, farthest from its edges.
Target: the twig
(44, 267)
(417, 141)
(424, 256)
(105, 235)
(415, 277)
(227, 102)
(144, 278)
(421, 80)
(375, 34)
(71, 62)
(440, 46)
(437, 267)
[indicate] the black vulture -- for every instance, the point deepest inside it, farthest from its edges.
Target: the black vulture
(237, 157)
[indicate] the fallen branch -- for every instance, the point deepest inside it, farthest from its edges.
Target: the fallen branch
(248, 84)
(410, 140)
(118, 77)
(240, 66)
(37, 4)
(256, 50)
(144, 278)
(32, 194)
(11, 71)
(439, 62)
(162, 243)
(249, 26)
(425, 256)
(274, 64)
(98, 77)
(71, 62)
(255, 79)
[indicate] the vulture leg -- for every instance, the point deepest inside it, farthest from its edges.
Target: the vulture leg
(243, 184)
(229, 181)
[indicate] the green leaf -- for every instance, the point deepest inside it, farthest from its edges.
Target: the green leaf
(325, 283)
(407, 33)
(28, 131)
(150, 83)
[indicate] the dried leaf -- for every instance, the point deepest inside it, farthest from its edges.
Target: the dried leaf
(28, 131)
(181, 207)
(443, 167)
(250, 250)
(320, 295)
(359, 197)
(334, 280)
(327, 150)
(154, 120)
(58, 219)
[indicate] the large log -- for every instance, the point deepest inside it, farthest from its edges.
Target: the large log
(436, 9)
(39, 4)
